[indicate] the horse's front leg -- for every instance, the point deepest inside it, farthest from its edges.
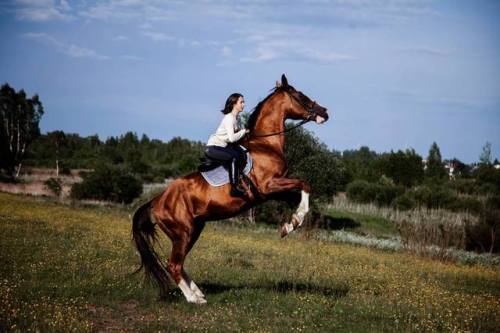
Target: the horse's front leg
(283, 185)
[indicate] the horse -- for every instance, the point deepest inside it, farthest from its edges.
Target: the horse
(182, 210)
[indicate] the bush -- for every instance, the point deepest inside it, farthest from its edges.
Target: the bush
(467, 204)
(387, 193)
(272, 212)
(486, 188)
(308, 159)
(484, 235)
(434, 196)
(54, 185)
(361, 191)
(107, 183)
(404, 202)
(364, 192)
(464, 186)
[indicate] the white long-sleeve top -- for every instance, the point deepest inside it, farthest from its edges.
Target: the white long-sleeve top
(225, 133)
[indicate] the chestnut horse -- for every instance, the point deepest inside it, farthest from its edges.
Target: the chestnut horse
(187, 203)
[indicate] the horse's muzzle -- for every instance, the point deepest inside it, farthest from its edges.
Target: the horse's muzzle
(319, 119)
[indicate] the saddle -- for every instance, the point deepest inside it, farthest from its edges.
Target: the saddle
(216, 173)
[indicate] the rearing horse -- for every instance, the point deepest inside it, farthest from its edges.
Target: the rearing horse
(187, 203)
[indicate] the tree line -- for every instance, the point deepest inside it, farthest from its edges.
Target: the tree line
(152, 160)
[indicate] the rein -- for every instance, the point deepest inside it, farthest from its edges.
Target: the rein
(312, 114)
(302, 122)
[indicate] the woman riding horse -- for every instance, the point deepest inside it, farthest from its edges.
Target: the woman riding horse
(187, 203)
(218, 147)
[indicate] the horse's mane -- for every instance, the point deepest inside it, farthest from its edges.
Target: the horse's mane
(252, 119)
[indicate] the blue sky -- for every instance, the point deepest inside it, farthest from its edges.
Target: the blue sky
(394, 74)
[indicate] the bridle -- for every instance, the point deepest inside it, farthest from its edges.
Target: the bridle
(312, 115)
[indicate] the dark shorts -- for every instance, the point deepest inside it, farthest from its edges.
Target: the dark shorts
(227, 153)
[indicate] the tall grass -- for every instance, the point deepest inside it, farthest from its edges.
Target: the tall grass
(430, 232)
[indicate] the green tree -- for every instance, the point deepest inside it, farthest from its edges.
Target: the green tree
(435, 167)
(403, 167)
(108, 183)
(19, 119)
(309, 159)
(361, 164)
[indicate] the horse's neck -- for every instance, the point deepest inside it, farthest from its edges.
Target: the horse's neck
(271, 120)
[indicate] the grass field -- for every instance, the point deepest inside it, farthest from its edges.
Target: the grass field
(66, 268)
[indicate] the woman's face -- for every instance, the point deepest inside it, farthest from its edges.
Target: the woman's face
(239, 105)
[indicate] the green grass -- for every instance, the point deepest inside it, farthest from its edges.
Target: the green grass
(362, 224)
(66, 268)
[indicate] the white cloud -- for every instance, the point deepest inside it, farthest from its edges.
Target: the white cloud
(287, 50)
(131, 57)
(69, 49)
(158, 36)
(127, 10)
(43, 10)
(432, 51)
(226, 51)
(273, 42)
(120, 38)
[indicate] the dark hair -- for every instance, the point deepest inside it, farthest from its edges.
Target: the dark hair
(231, 100)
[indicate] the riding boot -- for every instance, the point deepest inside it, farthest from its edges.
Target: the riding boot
(234, 178)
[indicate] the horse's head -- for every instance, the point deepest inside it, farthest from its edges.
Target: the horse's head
(301, 106)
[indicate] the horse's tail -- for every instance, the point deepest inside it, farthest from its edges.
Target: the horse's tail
(144, 236)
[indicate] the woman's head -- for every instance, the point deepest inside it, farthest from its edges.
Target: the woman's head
(232, 100)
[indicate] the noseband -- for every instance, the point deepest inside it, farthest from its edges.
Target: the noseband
(310, 110)
(312, 115)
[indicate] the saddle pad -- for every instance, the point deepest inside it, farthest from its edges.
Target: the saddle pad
(219, 176)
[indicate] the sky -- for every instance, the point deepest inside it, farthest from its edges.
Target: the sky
(394, 74)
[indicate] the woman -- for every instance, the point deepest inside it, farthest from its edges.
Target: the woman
(218, 147)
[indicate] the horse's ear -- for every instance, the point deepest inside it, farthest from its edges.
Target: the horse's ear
(284, 81)
(278, 84)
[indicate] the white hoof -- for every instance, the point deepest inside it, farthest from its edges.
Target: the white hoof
(198, 300)
(285, 229)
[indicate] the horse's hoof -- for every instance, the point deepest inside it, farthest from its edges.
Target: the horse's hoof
(283, 231)
(197, 300)
(200, 301)
(296, 222)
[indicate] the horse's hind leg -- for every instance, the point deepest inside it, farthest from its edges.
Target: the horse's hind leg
(198, 228)
(182, 241)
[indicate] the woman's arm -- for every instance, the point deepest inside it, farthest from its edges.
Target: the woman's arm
(229, 126)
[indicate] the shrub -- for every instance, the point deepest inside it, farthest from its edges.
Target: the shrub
(107, 183)
(364, 192)
(361, 191)
(404, 202)
(272, 212)
(434, 196)
(484, 235)
(466, 204)
(312, 161)
(53, 185)
(387, 193)
(464, 186)
(486, 188)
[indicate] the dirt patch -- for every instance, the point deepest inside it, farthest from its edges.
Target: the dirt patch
(126, 317)
(31, 182)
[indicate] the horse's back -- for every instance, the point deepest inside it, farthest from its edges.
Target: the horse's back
(191, 197)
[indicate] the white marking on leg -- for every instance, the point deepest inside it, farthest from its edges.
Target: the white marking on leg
(194, 288)
(303, 207)
(191, 297)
